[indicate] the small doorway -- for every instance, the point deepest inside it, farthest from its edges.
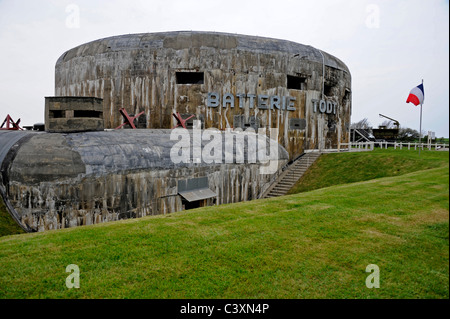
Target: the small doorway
(194, 192)
(191, 205)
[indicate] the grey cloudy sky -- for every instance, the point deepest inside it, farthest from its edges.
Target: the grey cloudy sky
(388, 45)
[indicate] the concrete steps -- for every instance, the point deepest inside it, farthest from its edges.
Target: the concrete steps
(291, 175)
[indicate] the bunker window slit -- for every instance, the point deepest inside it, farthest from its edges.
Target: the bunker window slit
(296, 82)
(190, 77)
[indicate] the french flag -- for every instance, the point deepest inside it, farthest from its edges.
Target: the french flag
(416, 96)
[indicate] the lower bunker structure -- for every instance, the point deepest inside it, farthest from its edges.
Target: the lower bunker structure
(59, 180)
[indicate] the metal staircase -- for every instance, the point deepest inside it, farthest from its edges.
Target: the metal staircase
(359, 134)
(291, 175)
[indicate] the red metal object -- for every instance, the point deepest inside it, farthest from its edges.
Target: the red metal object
(10, 124)
(180, 120)
(128, 119)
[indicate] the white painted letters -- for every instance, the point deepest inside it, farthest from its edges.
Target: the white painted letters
(324, 106)
(262, 101)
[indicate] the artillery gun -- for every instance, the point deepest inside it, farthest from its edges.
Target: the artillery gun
(383, 133)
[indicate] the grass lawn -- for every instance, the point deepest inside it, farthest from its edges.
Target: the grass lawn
(341, 168)
(310, 245)
(8, 225)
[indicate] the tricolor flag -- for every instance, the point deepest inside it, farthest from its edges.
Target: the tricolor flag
(417, 95)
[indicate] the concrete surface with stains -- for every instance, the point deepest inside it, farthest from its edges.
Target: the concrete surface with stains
(57, 180)
(139, 72)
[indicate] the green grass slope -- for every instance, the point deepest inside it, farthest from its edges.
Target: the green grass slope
(8, 225)
(309, 245)
(341, 168)
(330, 169)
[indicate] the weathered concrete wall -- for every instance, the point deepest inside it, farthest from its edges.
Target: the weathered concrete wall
(56, 180)
(139, 72)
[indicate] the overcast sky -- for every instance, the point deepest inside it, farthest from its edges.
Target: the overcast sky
(388, 45)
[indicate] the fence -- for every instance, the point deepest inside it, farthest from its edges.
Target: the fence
(369, 146)
(401, 145)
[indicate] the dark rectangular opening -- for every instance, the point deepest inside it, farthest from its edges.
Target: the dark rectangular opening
(297, 124)
(328, 90)
(189, 123)
(346, 95)
(296, 82)
(79, 113)
(195, 204)
(57, 114)
(240, 122)
(190, 77)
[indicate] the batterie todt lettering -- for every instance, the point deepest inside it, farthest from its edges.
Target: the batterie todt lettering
(262, 101)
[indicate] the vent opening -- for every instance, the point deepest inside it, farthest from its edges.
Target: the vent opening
(78, 113)
(190, 77)
(57, 114)
(328, 90)
(296, 82)
(297, 124)
(346, 95)
(192, 205)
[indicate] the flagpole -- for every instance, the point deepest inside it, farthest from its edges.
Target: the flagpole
(420, 132)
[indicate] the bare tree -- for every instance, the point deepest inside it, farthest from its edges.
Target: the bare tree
(407, 134)
(362, 124)
(388, 124)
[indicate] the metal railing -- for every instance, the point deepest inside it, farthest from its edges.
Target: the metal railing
(409, 145)
(369, 146)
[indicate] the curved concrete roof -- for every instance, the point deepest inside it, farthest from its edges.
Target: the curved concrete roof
(53, 156)
(179, 40)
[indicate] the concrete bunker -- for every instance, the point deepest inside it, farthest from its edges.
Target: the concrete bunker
(60, 180)
(81, 171)
(215, 77)
(73, 114)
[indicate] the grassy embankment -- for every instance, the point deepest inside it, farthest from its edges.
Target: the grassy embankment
(310, 245)
(8, 225)
(335, 169)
